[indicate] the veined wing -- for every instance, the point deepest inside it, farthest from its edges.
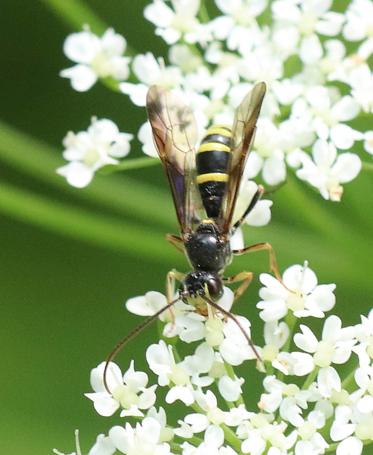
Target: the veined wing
(243, 132)
(175, 135)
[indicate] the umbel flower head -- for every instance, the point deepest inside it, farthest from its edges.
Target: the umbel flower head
(309, 403)
(313, 59)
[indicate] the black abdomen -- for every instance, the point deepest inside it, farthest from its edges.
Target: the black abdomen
(212, 164)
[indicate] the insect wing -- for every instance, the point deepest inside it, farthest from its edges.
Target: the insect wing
(194, 210)
(175, 135)
(243, 132)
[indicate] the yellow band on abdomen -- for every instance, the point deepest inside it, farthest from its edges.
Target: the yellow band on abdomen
(212, 177)
(211, 146)
(217, 129)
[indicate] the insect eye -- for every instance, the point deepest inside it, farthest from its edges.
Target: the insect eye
(215, 288)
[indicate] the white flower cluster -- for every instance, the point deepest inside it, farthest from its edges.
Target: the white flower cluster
(309, 405)
(88, 151)
(314, 60)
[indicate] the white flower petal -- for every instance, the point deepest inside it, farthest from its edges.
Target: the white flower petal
(77, 174)
(82, 77)
(350, 446)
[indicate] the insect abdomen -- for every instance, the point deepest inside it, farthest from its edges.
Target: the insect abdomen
(212, 163)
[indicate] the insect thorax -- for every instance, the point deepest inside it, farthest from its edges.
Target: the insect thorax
(212, 163)
(207, 249)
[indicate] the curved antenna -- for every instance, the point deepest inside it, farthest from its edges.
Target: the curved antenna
(119, 346)
(231, 316)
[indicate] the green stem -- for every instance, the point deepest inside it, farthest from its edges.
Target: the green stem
(76, 13)
(231, 438)
(77, 443)
(175, 447)
(311, 377)
(332, 447)
(203, 13)
(367, 166)
(81, 224)
(195, 440)
(126, 165)
(230, 371)
(291, 322)
(348, 379)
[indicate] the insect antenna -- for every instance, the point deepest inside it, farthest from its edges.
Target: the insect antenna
(229, 315)
(119, 346)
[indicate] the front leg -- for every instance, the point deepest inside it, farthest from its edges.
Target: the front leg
(171, 278)
(244, 277)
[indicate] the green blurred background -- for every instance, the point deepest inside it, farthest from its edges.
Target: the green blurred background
(70, 258)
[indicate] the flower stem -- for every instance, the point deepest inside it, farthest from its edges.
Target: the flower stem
(175, 447)
(367, 166)
(291, 322)
(311, 377)
(229, 369)
(348, 379)
(77, 443)
(76, 13)
(126, 165)
(203, 13)
(231, 438)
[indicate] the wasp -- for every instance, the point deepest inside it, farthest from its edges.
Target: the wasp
(204, 184)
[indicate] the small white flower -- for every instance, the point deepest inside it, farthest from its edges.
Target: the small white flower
(361, 81)
(144, 439)
(149, 71)
(179, 21)
(359, 20)
(147, 305)
(275, 336)
(234, 348)
(161, 361)
(368, 142)
(87, 151)
(308, 19)
(128, 391)
(328, 112)
(327, 171)
(299, 293)
(364, 335)
(95, 57)
(102, 446)
(350, 446)
(238, 24)
(364, 379)
(212, 415)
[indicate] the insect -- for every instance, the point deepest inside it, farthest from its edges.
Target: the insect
(204, 186)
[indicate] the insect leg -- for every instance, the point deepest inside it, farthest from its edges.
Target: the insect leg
(260, 247)
(253, 202)
(244, 277)
(171, 278)
(176, 241)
